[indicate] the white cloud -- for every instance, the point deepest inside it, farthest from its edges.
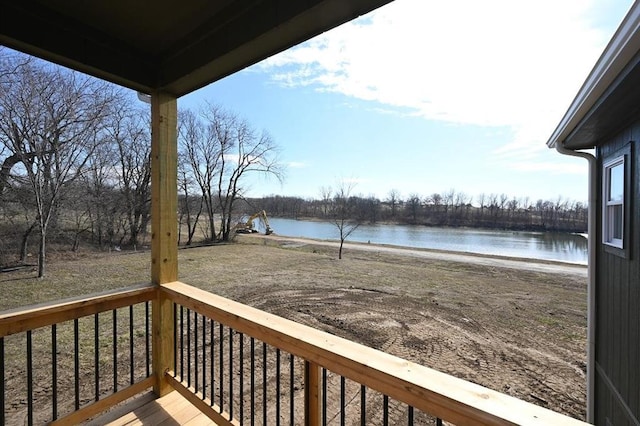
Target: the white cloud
(490, 63)
(297, 165)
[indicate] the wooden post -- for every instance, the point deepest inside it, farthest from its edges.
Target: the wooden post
(164, 228)
(312, 389)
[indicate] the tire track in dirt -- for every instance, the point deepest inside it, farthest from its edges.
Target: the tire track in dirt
(486, 335)
(437, 337)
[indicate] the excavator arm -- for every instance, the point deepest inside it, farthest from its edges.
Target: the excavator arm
(248, 227)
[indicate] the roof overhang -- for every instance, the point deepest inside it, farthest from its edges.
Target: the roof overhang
(609, 99)
(176, 47)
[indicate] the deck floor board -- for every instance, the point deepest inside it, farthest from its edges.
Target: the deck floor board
(172, 409)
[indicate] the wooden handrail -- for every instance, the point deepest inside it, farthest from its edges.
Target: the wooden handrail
(48, 314)
(32, 317)
(433, 392)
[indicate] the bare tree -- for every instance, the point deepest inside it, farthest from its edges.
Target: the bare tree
(448, 199)
(342, 212)
(201, 149)
(191, 206)
(494, 208)
(393, 198)
(243, 151)
(512, 206)
(102, 202)
(503, 203)
(482, 202)
(413, 205)
(223, 150)
(10, 69)
(50, 119)
(325, 194)
(129, 130)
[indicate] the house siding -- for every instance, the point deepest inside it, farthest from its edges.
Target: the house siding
(617, 314)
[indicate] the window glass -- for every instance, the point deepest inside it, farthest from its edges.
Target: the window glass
(616, 182)
(613, 226)
(616, 226)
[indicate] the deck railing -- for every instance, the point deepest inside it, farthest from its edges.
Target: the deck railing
(237, 364)
(241, 365)
(64, 362)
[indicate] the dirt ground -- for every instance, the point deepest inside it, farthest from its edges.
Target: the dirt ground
(516, 326)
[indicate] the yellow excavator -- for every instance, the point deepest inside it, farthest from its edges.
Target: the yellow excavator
(248, 227)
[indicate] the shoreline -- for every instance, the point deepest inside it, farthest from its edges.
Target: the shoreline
(534, 265)
(521, 250)
(430, 250)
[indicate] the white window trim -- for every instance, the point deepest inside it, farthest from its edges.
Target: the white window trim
(607, 220)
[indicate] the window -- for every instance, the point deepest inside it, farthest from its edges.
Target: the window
(614, 198)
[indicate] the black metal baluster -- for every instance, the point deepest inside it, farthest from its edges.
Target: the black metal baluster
(115, 351)
(324, 396)
(29, 379)
(204, 357)
(196, 373)
(342, 401)
(181, 342)
(131, 363)
(54, 371)
(175, 341)
(264, 383)
(2, 422)
(221, 367)
(230, 373)
(253, 381)
(96, 356)
(188, 348)
(147, 346)
(410, 416)
(241, 384)
(363, 404)
(277, 387)
(76, 364)
(291, 391)
(385, 410)
(212, 363)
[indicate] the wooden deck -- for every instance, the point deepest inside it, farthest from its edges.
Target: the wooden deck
(172, 409)
(237, 327)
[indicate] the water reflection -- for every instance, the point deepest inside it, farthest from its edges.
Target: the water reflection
(536, 245)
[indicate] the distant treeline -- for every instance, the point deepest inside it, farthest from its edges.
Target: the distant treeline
(452, 208)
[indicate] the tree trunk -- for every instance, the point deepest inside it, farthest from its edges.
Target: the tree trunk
(340, 250)
(212, 226)
(76, 242)
(41, 253)
(23, 243)
(226, 227)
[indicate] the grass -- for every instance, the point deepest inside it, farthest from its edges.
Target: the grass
(502, 328)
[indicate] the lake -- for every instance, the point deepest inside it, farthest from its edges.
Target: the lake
(534, 245)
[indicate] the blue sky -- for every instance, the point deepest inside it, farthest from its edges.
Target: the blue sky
(427, 96)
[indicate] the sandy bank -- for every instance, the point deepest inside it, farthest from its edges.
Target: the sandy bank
(534, 265)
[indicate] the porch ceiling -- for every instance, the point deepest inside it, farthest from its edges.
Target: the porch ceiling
(176, 47)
